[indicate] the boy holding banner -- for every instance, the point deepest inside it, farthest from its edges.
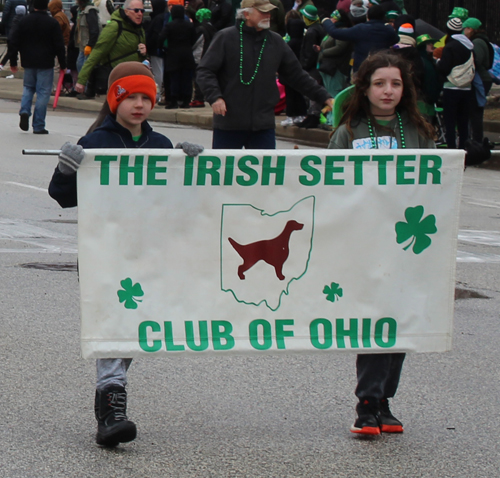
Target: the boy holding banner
(122, 123)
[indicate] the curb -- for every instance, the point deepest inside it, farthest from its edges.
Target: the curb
(202, 118)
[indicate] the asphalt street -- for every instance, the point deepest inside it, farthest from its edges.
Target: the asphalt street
(239, 416)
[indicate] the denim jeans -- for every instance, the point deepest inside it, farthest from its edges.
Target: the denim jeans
(37, 81)
(80, 61)
(111, 372)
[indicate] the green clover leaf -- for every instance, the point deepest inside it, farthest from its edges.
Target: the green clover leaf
(416, 228)
(333, 292)
(129, 293)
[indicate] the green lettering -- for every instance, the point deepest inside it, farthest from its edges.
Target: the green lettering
(188, 171)
(330, 169)
(341, 333)
(281, 333)
(105, 160)
(228, 171)
(425, 169)
(391, 332)
(382, 167)
(136, 170)
(143, 336)
(205, 169)
(221, 331)
(253, 175)
(253, 333)
(278, 171)
(327, 334)
(365, 334)
(153, 170)
(402, 169)
(169, 338)
(358, 168)
(203, 331)
(306, 167)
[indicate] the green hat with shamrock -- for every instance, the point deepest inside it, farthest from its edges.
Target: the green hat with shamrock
(459, 12)
(425, 38)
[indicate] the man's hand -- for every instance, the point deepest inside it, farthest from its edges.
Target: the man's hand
(80, 88)
(142, 49)
(219, 107)
(14, 69)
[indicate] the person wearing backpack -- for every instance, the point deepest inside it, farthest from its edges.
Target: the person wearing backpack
(483, 61)
(456, 65)
(122, 40)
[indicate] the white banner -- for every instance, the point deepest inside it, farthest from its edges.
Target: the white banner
(254, 252)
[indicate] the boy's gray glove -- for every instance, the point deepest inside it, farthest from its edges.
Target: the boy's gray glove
(190, 149)
(70, 158)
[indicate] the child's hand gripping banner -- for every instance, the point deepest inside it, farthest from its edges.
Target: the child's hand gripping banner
(276, 251)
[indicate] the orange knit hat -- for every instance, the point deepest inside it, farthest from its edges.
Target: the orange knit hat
(128, 78)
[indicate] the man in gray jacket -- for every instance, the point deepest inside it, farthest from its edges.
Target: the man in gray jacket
(237, 76)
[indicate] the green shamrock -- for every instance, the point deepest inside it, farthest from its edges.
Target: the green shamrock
(333, 292)
(416, 228)
(129, 293)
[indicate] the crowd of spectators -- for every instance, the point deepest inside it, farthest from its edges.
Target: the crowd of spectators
(449, 69)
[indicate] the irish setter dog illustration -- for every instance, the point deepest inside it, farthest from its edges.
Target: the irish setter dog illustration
(273, 251)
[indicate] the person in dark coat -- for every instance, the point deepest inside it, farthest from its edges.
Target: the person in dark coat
(39, 39)
(238, 78)
(20, 13)
(153, 45)
(8, 14)
(180, 36)
(222, 13)
(296, 105)
(205, 32)
(367, 37)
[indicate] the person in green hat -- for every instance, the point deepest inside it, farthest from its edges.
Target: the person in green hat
(483, 59)
(205, 31)
(391, 16)
(432, 85)
(314, 35)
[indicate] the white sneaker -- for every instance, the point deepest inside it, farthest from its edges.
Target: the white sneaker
(287, 122)
(1, 67)
(298, 119)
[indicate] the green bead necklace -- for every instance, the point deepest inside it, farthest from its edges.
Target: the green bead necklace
(372, 134)
(243, 82)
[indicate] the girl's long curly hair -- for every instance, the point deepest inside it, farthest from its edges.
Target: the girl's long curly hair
(358, 105)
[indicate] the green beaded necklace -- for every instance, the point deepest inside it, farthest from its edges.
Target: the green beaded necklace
(372, 134)
(243, 82)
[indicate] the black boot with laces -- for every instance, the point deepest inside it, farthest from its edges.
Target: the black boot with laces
(113, 427)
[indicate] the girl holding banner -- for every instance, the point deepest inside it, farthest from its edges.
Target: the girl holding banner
(381, 113)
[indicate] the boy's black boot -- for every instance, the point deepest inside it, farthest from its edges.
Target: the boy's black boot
(113, 427)
(389, 423)
(368, 419)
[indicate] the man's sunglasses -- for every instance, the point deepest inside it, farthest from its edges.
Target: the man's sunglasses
(137, 10)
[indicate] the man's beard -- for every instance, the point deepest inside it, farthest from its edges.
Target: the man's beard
(264, 24)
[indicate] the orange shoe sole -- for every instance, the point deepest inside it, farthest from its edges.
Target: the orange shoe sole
(366, 430)
(392, 429)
